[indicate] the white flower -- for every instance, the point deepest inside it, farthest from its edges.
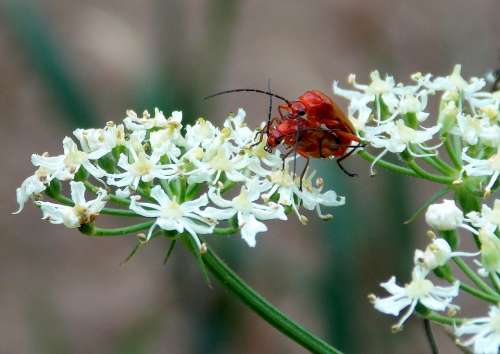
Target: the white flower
(484, 332)
(83, 212)
(437, 254)
(455, 82)
(312, 197)
(133, 122)
(32, 185)
(444, 216)
(419, 290)
(163, 142)
(240, 133)
(172, 215)
(249, 213)
(101, 141)
(215, 162)
(396, 137)
(401, 136)
(479, 167)
(64, 167)
(202, 133)
(469, 128)
(143, 167)
(488, 218)
(378, 89)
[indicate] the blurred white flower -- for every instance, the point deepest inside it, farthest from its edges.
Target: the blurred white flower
(419, 290)
(83, 212)
(480, 167)
(483, 332)
(488, 218)
(437, 254)
(313, 198)
(444, 216)
(455, 82)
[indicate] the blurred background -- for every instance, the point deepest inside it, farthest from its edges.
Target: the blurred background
(68, 64)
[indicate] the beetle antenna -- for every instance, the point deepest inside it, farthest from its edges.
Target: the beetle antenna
(249, 90)
(270, 106)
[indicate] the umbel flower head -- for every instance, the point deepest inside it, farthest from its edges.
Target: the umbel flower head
(177, 177)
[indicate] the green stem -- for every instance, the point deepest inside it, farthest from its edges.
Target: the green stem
(479, 294)
(426, 175)
(441, 319)
(474, 277)
(264, 309)
(440, 165)
(118, 231)
(387, 165)
(450, 149)
(495, 281)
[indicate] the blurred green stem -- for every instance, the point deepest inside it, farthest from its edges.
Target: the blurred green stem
(261, 307)
(473, 276)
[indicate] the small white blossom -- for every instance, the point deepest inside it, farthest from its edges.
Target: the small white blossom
(249, 212)
(480, 167)
(313, 198)
(484, 332)
(419, 290)
(32, 185)
(456, 83)
(142, 167)
(83, 212)
(218, 161)
(172, 215)
(64, 167)
(101, 141)
(437, 254)
(135, 123)
(488, 218)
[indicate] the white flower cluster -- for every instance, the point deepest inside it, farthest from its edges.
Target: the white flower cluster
(390, 117)
(483, 332)
(176, 176)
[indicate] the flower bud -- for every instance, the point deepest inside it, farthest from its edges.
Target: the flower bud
(490, 251)
(444, 216)
(435, 255)
(448, 115)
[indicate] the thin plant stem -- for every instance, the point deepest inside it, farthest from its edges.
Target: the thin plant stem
(448, 144)
(426, 175)
(480, 294)
(118, 231)
(495, 281)
(474, 277)
(430, 336)
(442, 319)
(387, 165)
(262, 307)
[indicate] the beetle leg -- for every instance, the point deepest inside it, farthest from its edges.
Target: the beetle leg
(345, 156)
(303, 173)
